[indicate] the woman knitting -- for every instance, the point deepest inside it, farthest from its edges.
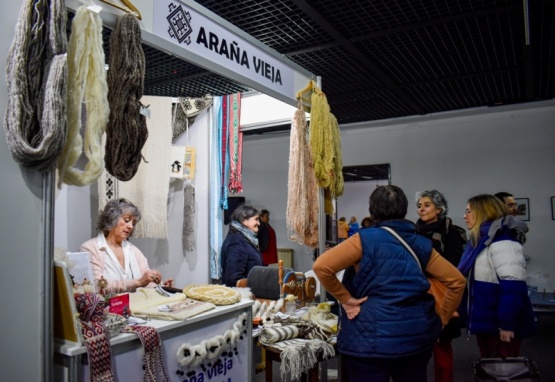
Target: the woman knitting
(113, 258)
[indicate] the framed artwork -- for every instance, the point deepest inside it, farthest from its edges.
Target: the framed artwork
(553, 208)
(523, 211)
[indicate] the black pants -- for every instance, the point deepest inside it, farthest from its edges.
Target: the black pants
(411, 368)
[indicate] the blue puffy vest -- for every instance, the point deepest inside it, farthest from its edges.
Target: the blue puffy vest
(399, 317)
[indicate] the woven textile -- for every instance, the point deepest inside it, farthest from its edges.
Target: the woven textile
(278, 333)
(216, 213)
(235, 144)
(91, 319)
(152, 358)
(149, 188)
(186, 112)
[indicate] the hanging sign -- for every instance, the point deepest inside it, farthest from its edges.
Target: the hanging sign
(178, 23)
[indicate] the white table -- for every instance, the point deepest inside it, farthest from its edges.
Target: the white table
(127, 350)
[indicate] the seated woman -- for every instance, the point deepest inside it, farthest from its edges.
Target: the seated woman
(240, 248)
(113, 257)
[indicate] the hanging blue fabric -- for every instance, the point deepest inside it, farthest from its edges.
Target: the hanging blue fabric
(216, 213)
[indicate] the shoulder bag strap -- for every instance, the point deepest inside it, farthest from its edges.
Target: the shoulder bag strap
(405, 244)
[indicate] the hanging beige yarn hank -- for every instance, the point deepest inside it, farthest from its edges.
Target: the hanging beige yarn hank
(302, 192)
(87, 89)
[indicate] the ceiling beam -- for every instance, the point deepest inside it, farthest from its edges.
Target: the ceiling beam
(409, 101)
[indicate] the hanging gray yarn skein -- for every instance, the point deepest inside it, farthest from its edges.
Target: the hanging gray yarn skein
(126, 132)
(36, 77)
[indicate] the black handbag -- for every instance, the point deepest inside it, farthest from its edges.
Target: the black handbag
(510, 369)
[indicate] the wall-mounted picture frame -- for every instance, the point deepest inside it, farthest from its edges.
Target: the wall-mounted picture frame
(553, 208)
(523, 211)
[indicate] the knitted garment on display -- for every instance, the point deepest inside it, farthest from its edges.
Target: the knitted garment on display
(87, 100)
(36, 77)
(91, 319)
(150, 186)
(302, 192)
(126, 132)
(235, 144)
(188, 238)
(153, 363)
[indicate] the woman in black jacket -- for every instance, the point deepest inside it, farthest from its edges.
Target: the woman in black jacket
(240, 248)
(449, 240)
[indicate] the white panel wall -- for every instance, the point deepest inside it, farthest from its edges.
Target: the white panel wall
(21, 274)
(461, 154)
(77, 210)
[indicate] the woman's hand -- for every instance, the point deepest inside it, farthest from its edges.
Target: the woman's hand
(352, 306)
(506, 335)
(150, 276)
(168, 283)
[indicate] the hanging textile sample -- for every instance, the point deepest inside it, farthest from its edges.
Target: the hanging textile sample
(36, 77)
(235, 144)
(126, 132)
(87, 100)
(216, 213)
(302, 191)
(149, 188)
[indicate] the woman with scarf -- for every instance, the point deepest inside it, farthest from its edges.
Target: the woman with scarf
(448, 240)
(240, 248)
(496, 306)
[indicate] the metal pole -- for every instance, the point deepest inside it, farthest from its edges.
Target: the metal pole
(48, 181)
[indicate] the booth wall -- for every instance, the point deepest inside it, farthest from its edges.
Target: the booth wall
(77, 209)
(21, 281)
(461, 154)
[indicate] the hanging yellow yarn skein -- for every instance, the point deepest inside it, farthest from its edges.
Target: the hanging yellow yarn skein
(321, 140)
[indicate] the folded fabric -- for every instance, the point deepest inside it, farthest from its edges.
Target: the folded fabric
(278, 333)
(180, 310)
(147, 297)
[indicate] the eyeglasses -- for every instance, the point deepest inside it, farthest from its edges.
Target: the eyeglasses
(512, 205)
(467, 211)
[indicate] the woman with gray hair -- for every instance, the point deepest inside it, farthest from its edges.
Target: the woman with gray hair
(113, 257)
(240, 248)
(449, 240)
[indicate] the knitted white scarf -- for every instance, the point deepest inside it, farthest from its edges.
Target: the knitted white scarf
(87, 87)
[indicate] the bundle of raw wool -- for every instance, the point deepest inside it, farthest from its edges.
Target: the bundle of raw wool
(36, 79)
(87, 100)
(126, 132)
(302, 192)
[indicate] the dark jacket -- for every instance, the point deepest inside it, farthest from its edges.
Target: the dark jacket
(449, 241)
(238, 257)
(399, 317)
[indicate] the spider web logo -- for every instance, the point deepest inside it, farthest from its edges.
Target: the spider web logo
(179, 21)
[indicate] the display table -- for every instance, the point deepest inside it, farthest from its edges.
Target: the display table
(543, 302)
(127, 350)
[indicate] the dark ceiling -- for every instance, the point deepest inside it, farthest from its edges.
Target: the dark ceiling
(384, 59)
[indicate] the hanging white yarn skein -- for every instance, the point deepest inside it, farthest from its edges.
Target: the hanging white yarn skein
(87, 87)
